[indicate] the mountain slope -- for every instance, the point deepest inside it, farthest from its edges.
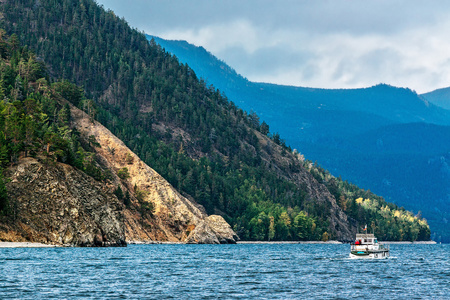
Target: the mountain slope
(66, 180)
(61, 205)
(439, 97)
(394, 105)
(334, 127)
(171, 216)
(205, 146)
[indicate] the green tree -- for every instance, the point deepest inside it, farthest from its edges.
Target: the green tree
(264, 128)
(123, 173)
(271, 228)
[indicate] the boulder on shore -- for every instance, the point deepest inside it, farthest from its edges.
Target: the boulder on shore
(213, 230)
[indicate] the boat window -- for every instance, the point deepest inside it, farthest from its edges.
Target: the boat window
(369, 240)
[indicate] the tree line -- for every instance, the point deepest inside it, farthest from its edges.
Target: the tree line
(34, 121)
(189, 132)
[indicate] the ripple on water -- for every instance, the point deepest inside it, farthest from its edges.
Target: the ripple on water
(289, 271)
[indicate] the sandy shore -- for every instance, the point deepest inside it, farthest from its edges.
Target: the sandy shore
(24, 245)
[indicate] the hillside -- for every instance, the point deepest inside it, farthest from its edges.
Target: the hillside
(206, 147)
(439, 97)
(381, 138)
(389, 104)
(66, 180)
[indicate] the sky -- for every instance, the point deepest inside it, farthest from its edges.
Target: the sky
(310, 43)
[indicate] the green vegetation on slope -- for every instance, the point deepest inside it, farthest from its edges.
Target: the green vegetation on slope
(351, 131)
(188, 132)
(386, 220)
(32, 120)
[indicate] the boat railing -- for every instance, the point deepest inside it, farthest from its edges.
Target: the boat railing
(355, 247)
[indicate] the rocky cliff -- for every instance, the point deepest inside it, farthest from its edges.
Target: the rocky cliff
(172, 217)
(58, 204)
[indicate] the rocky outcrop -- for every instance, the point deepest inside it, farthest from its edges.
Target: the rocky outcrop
(173, 215)
(55, 203)
(213, 230)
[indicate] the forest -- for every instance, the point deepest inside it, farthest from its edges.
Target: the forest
(33, 120)
(190, 133)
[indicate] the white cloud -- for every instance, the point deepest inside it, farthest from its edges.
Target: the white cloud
(329, 44)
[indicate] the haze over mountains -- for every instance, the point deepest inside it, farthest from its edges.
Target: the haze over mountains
(383, 138)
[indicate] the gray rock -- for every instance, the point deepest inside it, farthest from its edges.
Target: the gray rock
(202, 234)
(213, 230)
(222, 229)
(57, 204)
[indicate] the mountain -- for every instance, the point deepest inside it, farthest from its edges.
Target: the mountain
(439, 97)
(386, 139)
(209, 150)
(391, 104)
(70, 181)
(59, 204)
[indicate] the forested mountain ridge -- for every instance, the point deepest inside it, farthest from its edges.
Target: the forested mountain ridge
(190, 133)
(386, 139)
(66, 180)
(388, 103)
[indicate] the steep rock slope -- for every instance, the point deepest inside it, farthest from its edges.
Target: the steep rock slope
(173, 215)
(58, 204)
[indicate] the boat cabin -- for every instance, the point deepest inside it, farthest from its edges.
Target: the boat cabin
(365, 239)
(366, 246)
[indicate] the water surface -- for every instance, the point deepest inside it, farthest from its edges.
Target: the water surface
(243, 271)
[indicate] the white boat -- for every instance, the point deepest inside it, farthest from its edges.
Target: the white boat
(366, 246)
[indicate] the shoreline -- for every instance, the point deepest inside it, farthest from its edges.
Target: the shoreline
(40, 245)
(291, 242)
(338, 242)
(154, 243)
(25, 245)
(409, 243)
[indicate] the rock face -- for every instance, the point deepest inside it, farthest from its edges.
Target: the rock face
(340, 226)
(213, 230)
(173, 215)
(55, 203)
(58, 204)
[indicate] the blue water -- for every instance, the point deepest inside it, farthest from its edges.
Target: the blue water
(244, 271)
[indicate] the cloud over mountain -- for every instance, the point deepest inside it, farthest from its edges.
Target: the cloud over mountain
(330, 44)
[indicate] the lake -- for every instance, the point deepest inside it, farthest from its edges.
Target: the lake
(243, 271)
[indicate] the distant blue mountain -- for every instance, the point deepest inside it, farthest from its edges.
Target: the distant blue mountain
(383, 138)
(440, 97)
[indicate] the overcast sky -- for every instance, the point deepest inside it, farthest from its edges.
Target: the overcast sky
(315, 43)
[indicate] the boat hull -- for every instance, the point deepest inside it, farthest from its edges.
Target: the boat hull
(369, 254)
